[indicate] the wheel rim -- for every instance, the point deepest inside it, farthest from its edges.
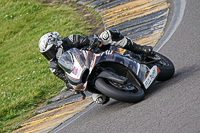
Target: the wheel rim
(111, 91)
(164, 63)
(128, 88)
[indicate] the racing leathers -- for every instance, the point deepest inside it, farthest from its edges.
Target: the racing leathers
(108, 38)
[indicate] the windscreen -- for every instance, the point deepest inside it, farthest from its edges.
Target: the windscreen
(66, 62)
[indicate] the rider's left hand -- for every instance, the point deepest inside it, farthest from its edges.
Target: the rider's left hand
(94, 44)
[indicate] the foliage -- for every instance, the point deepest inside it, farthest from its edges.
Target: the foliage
(25, 79)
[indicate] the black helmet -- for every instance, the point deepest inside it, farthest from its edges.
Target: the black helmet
(49, 45)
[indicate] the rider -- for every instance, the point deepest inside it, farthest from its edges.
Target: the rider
(52, 46)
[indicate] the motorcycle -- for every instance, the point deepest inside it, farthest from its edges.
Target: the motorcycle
(119, 76)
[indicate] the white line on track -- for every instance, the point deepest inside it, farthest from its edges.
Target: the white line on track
(176, 20)
(59, 128)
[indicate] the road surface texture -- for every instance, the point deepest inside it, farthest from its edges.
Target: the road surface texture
(169, 107)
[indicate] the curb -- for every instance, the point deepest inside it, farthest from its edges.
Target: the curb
(63, 100)
(47, 121)
(143, 21)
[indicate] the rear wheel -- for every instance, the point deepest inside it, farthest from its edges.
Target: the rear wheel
(129, 92)
(166, 68)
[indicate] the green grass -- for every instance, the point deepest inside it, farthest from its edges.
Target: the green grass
(25, 78)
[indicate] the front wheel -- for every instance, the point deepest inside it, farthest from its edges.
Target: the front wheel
(166, 68)
(129, 92)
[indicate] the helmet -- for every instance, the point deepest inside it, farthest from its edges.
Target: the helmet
(50, 44)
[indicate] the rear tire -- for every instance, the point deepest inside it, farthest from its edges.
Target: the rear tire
(166, 68)
(120, 95)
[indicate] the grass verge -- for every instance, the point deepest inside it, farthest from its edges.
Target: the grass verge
(25, 78)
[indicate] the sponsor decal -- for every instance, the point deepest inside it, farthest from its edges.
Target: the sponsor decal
(71, 38)
(54, 36)
(42, 46)
(75, 70)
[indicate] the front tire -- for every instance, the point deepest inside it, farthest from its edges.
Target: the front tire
(120, 95)
(166, 68)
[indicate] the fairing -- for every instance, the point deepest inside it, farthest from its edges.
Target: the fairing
(86, 60)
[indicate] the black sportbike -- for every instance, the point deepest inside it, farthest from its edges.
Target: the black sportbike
(121, 77)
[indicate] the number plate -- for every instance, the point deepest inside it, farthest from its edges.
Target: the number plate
(151, 76)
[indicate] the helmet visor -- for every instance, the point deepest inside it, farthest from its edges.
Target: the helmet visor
(50, 54)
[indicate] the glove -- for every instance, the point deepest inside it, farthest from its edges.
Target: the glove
(94, 44)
